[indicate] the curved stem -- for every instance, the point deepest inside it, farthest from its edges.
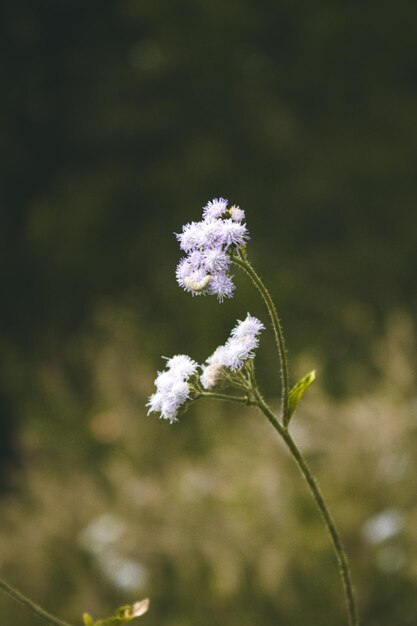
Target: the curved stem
(325, 513)
(278, 332)
(35, 608)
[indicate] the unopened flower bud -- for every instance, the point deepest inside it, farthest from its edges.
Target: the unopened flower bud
(197, 285)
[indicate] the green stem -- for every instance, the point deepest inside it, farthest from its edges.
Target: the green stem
(47, 617)
(278, 332)
(325, 513)
(224, 396)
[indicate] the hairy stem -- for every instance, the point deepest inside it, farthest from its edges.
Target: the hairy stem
(35, 608)
(325, 513)
(278, 332)
(224, 396)
(282, 429)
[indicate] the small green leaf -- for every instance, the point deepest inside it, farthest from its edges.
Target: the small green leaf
(87, 619)
(297, 393)
(123, 615)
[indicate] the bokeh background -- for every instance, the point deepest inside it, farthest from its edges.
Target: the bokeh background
(119, 120)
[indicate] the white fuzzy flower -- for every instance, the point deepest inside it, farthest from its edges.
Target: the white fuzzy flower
(240, 350)
(210, 376)
(234, 353)
(172, 388)
(209, 244)
(233, 233)
(236, 213)
(182, 366)
(215, 208)
(211, 234)
(192, 236)
(250, 326)
(212, 372)
(222, 286)
(215, 260)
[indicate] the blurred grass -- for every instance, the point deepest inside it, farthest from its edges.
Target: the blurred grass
(209, 517)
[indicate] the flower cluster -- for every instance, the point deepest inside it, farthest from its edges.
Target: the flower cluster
(172, 388)
(234, 353)
(208, 244)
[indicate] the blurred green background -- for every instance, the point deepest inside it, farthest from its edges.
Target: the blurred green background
(119, 120)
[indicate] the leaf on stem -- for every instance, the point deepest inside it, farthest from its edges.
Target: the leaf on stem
(123, 615)
(297, 393)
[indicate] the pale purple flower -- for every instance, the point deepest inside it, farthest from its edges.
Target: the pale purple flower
(243, 341)
(191, 237)
(215, 208)
(211, 234)
(249, 327)
(197, 258)
(172, 388)
(215, 260)
(233, 233)
(209, 245)
(237, 214)
(222, 285)
(240, 350)
(234, 353)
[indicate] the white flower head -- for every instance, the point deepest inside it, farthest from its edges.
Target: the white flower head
(216, 364)
(234, 353)
(233, 233)
(215, 260)
(209, 245)
(236, 213)
(182, 366)
(222, 286)
(172, 388)
(214, 208)
(250, 327)
(211, 376)
(191, 237)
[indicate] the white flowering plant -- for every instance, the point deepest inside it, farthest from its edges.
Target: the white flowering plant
(212, 247)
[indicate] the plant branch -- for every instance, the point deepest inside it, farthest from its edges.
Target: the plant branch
(325, 513)
(278, 332)
(35, 608)
(224, 396)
